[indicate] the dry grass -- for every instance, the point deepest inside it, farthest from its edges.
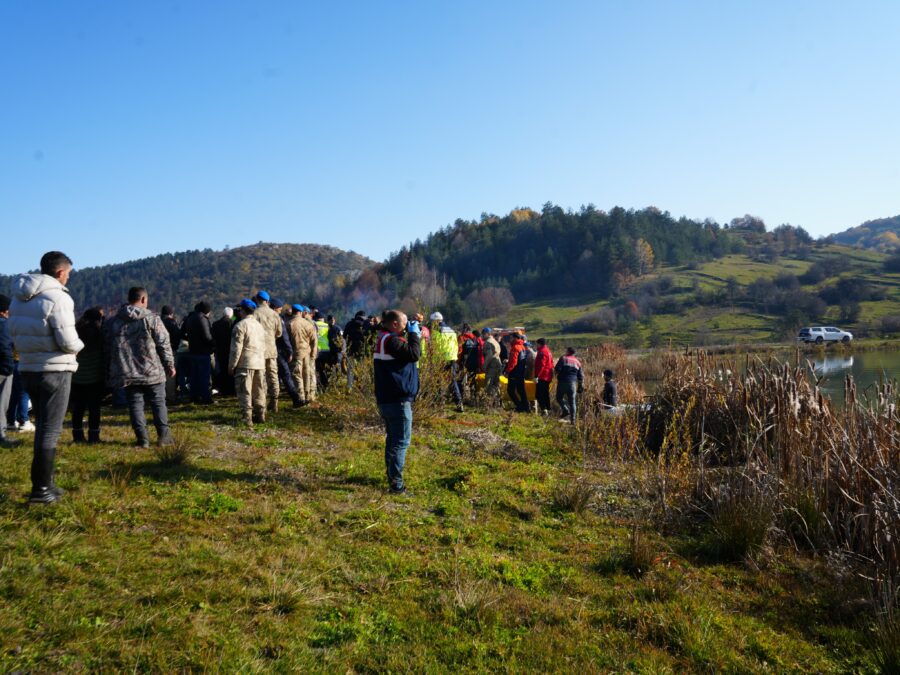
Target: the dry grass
(765, 433)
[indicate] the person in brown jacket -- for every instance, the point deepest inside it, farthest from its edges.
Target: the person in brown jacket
(246, 363)
(493, 367)
(273, 327)
(304, 339)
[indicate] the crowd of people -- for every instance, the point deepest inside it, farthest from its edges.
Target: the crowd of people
(255, 350)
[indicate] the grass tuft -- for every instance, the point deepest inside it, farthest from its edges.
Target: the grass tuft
(573, 496)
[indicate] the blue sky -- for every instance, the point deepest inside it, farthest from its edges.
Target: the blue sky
(136, 128)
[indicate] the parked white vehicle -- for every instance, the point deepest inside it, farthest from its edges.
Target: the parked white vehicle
(820, 334)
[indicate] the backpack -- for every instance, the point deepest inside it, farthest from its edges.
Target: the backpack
(471, 357)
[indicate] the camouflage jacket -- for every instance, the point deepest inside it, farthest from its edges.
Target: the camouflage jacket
(304, 337)
(272, 325)
(137, 348)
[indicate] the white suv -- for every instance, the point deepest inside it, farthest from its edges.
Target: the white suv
(821, 334)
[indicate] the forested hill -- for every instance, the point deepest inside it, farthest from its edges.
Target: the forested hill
(879, 235)
(477, 268)
(297, 272)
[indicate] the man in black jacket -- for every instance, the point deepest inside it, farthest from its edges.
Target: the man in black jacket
(197, 330)
(167, 313)
(221, 333)
(397, 350)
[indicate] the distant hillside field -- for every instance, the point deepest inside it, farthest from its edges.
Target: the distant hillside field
(882, 235)
(296, 272)
(733, 299)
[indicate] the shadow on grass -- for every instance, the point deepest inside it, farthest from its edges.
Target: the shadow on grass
(162, 473)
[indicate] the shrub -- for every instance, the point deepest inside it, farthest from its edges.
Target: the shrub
(573, 496)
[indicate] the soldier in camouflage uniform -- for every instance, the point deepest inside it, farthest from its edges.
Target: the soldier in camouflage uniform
(305, 340)
(271, 323)
(139, 358)
(247, 363)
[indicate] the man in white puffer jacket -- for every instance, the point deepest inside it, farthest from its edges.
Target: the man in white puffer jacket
(42, 325)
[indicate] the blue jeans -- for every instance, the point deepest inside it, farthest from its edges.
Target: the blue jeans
(18, 404)
(201, 369)
(398, 432)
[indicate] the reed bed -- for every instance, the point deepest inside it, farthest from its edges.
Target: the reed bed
(763, 454)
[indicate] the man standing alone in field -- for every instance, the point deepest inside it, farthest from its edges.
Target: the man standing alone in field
(139, 359)
(397, 350)
(42, 324)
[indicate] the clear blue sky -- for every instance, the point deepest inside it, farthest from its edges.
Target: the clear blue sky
(132, 128)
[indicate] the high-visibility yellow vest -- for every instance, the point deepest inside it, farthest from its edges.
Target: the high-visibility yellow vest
(446, 345)
(322, 327)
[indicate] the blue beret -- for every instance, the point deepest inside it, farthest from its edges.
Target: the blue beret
(262, 295)
(297, 308)
(248, 303)
(276, 303)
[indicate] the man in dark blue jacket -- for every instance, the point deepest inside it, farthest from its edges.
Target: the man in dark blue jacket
(7, 364)
(569, 383)
(397, 350)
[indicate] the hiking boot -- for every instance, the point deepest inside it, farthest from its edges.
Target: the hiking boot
(44, 495)
(142, 443)
(93, 435)
(78, 436)
(400, 492)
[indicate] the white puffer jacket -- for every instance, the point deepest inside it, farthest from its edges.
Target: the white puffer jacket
(42, 325)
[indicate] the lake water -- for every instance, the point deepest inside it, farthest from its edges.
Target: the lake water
(867, 369)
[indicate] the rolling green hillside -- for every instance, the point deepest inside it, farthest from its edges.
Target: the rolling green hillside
(733, 299)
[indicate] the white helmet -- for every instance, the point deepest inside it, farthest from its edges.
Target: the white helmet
(436, 316)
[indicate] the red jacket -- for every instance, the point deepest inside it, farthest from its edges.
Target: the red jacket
(516, 348)
(543, 364)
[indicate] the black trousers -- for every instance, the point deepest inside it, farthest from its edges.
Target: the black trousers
(86, 398)
(543, 395)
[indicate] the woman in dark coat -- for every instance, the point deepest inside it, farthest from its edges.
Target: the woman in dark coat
(89, 381)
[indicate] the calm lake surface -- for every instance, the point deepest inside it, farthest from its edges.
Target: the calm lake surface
(867, 369)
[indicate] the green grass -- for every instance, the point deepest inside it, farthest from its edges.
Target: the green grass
(278, 549)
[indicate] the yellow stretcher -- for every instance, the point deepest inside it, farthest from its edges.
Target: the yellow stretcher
(530, 386)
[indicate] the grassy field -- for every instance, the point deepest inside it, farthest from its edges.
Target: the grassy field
(278, 550)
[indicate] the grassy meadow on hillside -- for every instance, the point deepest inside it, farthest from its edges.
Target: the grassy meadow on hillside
(702, 304)
(526, 545)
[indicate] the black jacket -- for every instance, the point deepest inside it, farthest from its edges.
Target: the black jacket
(7, 364)
(355, 336)
(197, 330)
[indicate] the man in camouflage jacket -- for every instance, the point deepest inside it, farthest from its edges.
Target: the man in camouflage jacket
(139, 359)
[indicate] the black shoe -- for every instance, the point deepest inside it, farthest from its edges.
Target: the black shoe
(78, 436)
(142, 443)
(44, 495)
(93, 435)
(402, 492)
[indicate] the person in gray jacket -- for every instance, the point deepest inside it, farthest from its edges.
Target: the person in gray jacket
(42, 324)
(139, 359)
